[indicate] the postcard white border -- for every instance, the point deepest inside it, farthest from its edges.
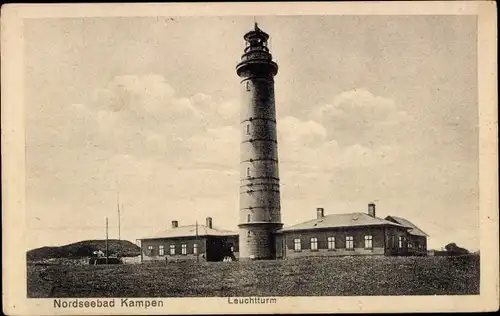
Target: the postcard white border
(13, 157)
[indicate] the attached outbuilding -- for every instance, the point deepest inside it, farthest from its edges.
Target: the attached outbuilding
(416, 239)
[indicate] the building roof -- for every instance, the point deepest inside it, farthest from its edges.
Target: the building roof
(341, 220)
(190, 231)
(414, 230)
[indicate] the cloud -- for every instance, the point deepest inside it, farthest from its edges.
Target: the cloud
(360, 117)
(293, 130)
(144, 113)
(360, 156)
(152, 122)
(356, 130)
(353, 132)
(301, 144)
(217, 148)
(198, 132)
(156, 144)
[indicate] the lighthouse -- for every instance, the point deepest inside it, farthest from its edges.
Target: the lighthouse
(259, 213)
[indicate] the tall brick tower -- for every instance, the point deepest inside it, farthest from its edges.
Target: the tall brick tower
(259, 211)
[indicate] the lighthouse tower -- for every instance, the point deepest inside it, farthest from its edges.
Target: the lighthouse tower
(259, 214)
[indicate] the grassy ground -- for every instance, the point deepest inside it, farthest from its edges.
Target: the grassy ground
(301, 277)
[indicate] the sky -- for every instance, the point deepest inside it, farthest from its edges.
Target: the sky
(369, 108)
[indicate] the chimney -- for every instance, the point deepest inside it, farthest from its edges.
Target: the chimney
(371, 209)
(175, 224)
(320, 213)
(209, 222)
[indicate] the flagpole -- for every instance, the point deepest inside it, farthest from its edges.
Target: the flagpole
(106, 240)
(118, 207)
(119, 223)
(197, 246)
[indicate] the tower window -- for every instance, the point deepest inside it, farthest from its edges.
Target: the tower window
(247, 85)
(248, 172)
(248, 129)
(249, 218)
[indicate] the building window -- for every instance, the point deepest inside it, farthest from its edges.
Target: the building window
(161, 250)
(172, 250)
(331, 243)
(400, 242)
(349, 242)
(297, 245)
(314, 243)
(195, 249)
(150, 250)
(247, 85)
(410, 245)
(368, 242)
(248, 129)
(184, 249)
